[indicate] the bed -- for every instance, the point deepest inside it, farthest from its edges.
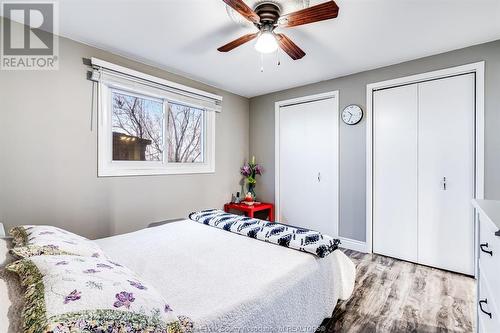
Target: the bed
(226, 282)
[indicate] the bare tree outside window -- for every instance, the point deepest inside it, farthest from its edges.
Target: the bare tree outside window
(137, 128)
(184, 134)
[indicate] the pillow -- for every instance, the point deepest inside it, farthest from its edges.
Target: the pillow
(11, 299)
(31, 240)
(83, 294)
(296, 238)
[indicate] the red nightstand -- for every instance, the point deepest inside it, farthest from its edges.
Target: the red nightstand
(250, 210)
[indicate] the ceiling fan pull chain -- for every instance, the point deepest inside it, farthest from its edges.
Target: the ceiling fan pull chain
(278, 56)
(261, 63)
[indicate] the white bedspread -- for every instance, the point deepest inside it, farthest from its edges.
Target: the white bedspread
(227, 282)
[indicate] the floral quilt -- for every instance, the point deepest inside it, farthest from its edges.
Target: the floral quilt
(83, 294)
(292, 237)
(31, 240)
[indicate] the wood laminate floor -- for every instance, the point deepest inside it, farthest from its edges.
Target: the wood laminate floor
(397, 296)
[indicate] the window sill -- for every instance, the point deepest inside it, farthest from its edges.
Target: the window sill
(129, 172)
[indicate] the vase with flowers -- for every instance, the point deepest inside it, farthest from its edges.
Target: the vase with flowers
(250, 171)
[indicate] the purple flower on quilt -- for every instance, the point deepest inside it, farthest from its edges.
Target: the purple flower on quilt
(104, 266)
(81, 324)
(69, 242)
(53, 247)
(168, 308)
(115, 263)
(73, 296)
(138, 285)
(95, 255)
(91, 271)
(124, 299)
(47, 233)
(59, 263)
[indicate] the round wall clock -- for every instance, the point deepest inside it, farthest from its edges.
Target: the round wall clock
(352, 114)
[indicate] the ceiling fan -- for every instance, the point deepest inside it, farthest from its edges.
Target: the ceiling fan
(267, 17)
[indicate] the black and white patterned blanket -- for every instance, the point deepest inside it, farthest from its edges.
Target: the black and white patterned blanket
(281, 234)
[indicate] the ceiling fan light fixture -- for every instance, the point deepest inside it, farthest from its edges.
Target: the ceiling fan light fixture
(267, 16)
(266, 42)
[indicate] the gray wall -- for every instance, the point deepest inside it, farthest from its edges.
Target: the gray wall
(48, 147)
(48, 154)
(352, 90)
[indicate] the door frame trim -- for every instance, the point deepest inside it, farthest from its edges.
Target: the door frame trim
(289, 102)
(476, 68)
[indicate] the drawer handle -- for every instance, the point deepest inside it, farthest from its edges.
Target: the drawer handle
(485, 245)
(481, 302)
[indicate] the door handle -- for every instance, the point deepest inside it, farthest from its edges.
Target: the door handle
(319, 177)
(443, 183)
(485, 245)
(481, 302)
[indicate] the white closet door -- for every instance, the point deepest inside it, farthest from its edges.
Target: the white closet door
(308, 168)
(446, 137)
(395, 172)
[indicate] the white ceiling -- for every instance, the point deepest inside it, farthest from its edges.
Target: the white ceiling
(182, 36)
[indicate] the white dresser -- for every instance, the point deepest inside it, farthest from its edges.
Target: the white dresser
(488, 299)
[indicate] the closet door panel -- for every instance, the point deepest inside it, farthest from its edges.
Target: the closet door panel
(395, 172)
(322, 122)
(446, 173)
(292, 134)
(309, 165)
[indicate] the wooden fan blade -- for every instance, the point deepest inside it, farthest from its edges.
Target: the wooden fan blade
(237, 42)
(290, 47)
(243, 9)
(321, 12)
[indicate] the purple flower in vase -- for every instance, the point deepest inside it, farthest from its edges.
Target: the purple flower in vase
(73, 296)
(245, 170)
(124, 299)
(91, 271)
(168, 308)
(258, 169)
(138, 285)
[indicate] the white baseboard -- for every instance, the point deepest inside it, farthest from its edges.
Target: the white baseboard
(354, 245)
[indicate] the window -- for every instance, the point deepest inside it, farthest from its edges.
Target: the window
(145, 129)
(185, 134)
(137, 124)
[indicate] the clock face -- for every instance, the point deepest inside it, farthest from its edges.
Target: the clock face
(352, 114)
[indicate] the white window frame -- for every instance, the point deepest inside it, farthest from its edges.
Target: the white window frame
(107, 167)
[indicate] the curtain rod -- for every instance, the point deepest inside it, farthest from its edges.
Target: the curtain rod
(98, 63)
